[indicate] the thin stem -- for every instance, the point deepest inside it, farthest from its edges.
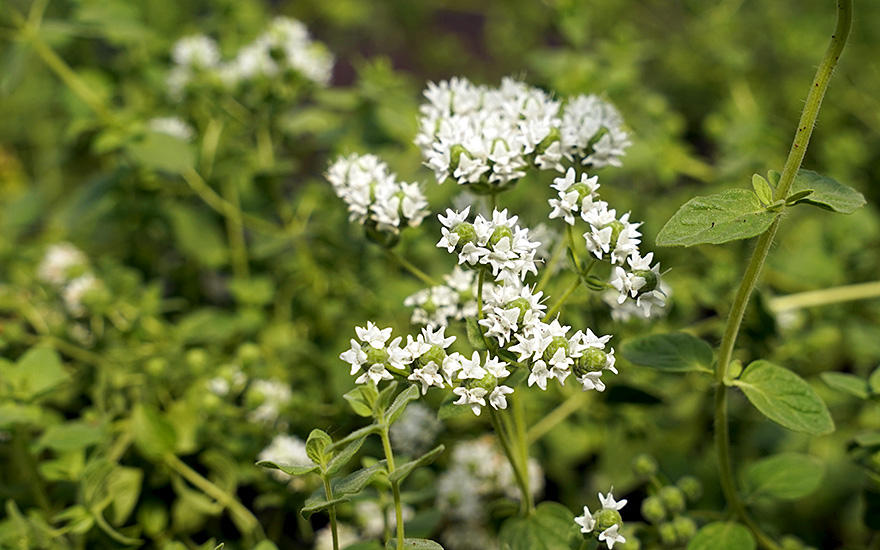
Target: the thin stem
(216, 493)
(753, 270)
(569, 234)
(328, 491)
(480, 278)
(407, 265)
(551, 264)
(565, 409)
(235, 230)
(504, 440)
(561, 301)
(210, 143)
(519, 422)
(814, 99)
(197, 183)
(395, 486)
(826, 296)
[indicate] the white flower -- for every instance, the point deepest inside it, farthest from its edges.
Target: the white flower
(58, 263)
(472, 368)
(586, 521)
(274, 395)
(498, 398)
(609, 503)
(472, 397)
(591, 381)
(74, 292)
(610, 536)
(428, 376)
(375, 374)
(172, 126)
(415, 430)
(539, 375)
(355, 356)
(372, 335)
(199, 51)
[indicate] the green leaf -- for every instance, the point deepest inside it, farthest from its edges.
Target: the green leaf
(414, 544)
(475, 334)
(313, 505)
(787, 476)
(289, 469)
(396, 409)
(785, 398)
(153, 434)
(342, 457)
(675, 351)
(384, 398)
(762, 189)
(400, 473)
(163, 152)
(867, 439)
(799, 196)
(72, 435)
(448, 408)
(198, 234)
(847, 383)
(874, 381)
(357, 434)
(37, 372)
(773, 177)
(722, 536)
(361, 400)
(316, 444)
(547, 529)
(728, 216)
(124, 486)
(827, 193)
(357, 480)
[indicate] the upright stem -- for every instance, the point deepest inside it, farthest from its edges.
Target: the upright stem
(519, 422)
(753, 270)
(519, 475)
(480, 279)
(334, 530)
(235, 230)
(395, 486)
(409, 266)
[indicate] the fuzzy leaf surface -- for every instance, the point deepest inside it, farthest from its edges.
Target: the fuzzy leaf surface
(732, 215)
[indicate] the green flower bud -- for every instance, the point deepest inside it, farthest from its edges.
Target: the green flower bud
(644, 465)
(455, 153)
(197, 359)
(605, 518)
(583, 191)
(651, 280)
(501, 232)
(466, 234)
(691, 487)
(653, 510)
(435, 354)
(522, 304)
(545, 144)
(488, 382)
(685, 527)
(616, 227)
(557, 343)
(592, 360)
(375, 355)
(668, 533)
(673, 499)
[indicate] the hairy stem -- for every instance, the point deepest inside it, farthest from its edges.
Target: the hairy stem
(334, 530)
(395, 486)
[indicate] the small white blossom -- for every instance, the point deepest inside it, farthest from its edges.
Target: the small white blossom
(59, 263)
(498, 398)
(473, 397)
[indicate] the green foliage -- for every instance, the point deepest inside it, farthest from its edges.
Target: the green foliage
(732, 215)
(787, 476)
(549, 528)
(722, 536)
(674, 352)
(827, 193)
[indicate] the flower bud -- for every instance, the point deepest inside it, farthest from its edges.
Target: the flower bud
(685, 528)
(466, 234)
(673, 499)
(651, 280)
(668, 533)
(487, 382)
(790, 542)
(607, 517)
(653, 510)
(616, 227)
(557, 343)
(592, 360)
(501, 232)
(522, 304)
(436, 355)
(455, 153)
(691, 487)
(375, 356)
(553, 136)
(644, 465)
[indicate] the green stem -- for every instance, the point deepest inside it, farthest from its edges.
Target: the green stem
(395, 486)
(27, 465)
(265, 148)
(565, 409)
(197, 183)
(522, 441)
(216, 493)
(826, 296)
(235, 230)
(520, 477)
(569, 235)
(561, 301)
(753, 270)
(407, 265)
(480, 278)
(551, 264)
(334, 530)
(210, 143)
(814, 99)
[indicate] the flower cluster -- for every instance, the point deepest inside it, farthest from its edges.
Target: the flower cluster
(66, 268)
(437, 305)
(611, 239)
(374, 196)
(606, 521)
(284, 51)
(486, 138)
(497, 244)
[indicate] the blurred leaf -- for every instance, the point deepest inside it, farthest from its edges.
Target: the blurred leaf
(630, 394)
(874, 381)
(675, 351)
(162, 152)
(198, 234)
(787, 476)
(547, 529)
(728, 216)
(289, 469)
(847, 383)
(37, 372)
(124, 486)
(785, 398)
(400, 473)
(448, 408)
(400, 402)
(254, 291)
(475, 334)
(722, 536)
(413, 544)
(313, 505)
(153, 435)
(72, 435)
(827, 193)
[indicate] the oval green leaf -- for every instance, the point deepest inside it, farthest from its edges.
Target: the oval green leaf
(675, 351)
(785, 398)
(547, 529)
(728, 216)
(827, 193)
(405, 469)
(847, 383)
(414, 544)
(787, 476)
(722, 536)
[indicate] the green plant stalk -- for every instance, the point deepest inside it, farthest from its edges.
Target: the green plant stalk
(334, 530)
(522, 441)
(395, 486)
(27, 463)
(235, 230)
(753, 270)
(565, 409)
(197, 183)
(561, 301)
(551, 264)
(519, 476)
(218, 494)
(480, 278)
(825, 296)
(409, 266)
